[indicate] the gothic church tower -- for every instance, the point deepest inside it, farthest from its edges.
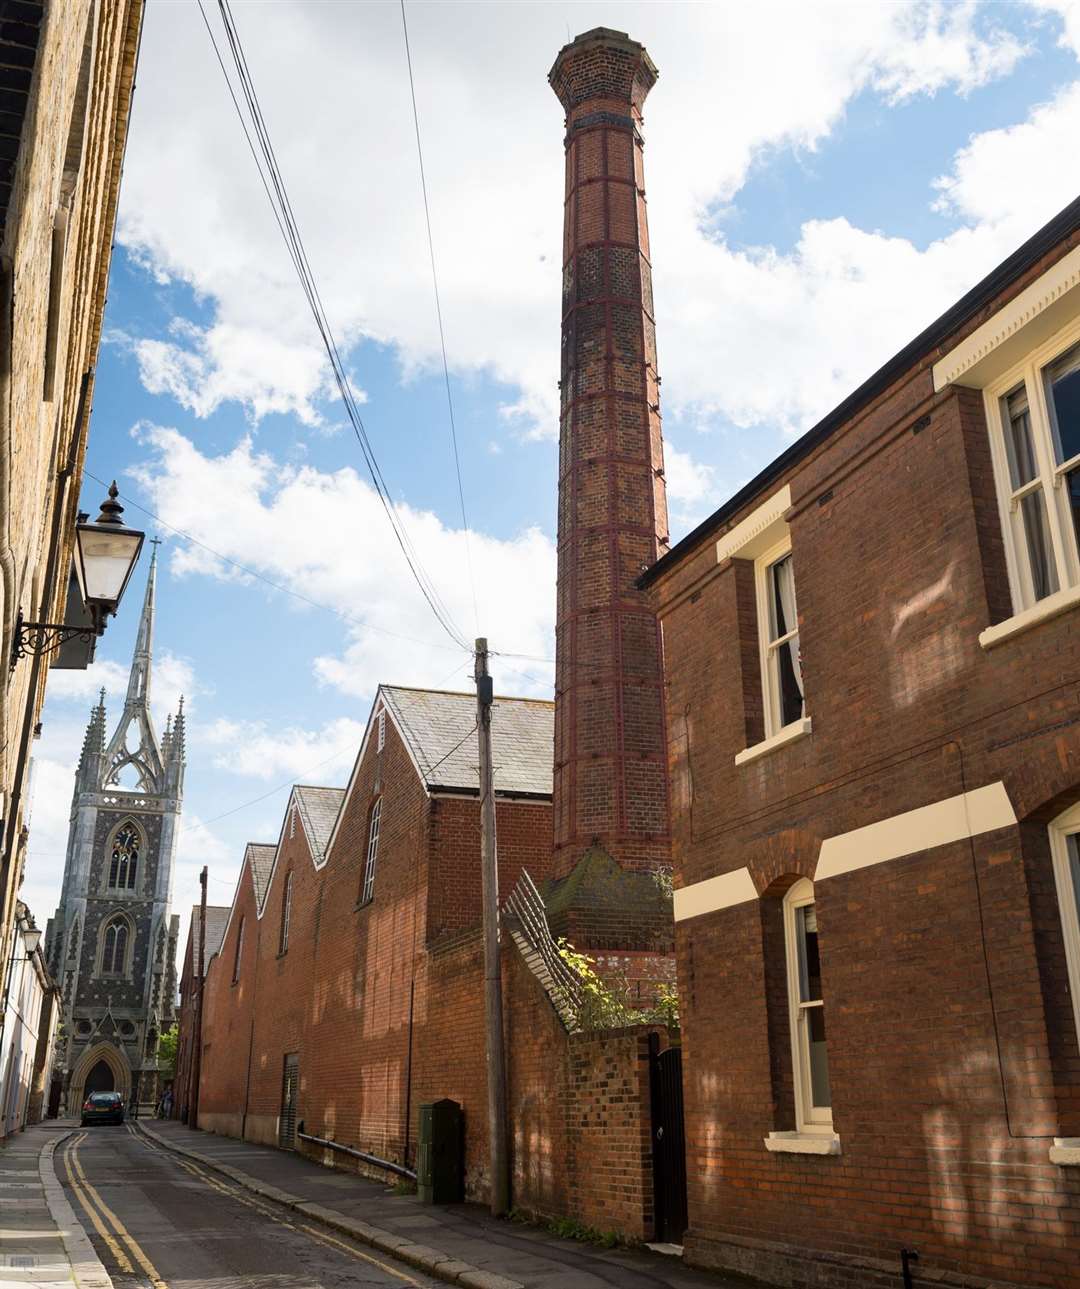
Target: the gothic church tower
(112, 942)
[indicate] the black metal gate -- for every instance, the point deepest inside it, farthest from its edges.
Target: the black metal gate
(668, 1142)
(289, 1084)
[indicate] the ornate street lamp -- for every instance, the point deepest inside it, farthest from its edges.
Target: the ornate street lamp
(106, 553)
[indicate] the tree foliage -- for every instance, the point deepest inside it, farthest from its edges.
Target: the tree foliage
(167, 1052)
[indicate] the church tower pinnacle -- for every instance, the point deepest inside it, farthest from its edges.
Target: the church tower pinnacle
(112, 942)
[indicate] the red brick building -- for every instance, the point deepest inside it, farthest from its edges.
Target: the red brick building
(348, 987)
(217, 916)
(872, 659)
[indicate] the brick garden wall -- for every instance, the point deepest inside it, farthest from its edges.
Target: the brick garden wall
(952, 1049)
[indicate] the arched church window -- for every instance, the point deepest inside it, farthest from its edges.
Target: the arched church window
(124, 859)
(114, 947)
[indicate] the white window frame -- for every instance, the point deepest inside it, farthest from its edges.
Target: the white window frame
(1063, 827)
(810, 1120)
(382, 730)
(239, 950)
(1066, 558)
(768, 649)
(286, 914)
(367, 891)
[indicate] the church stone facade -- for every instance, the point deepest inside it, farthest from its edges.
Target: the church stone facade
(112, 942)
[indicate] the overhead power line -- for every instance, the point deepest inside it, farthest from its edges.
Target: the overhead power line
(265, 158)
(277, 586)
(439, 316)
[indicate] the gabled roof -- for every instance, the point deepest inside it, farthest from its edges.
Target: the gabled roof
(439, 729)
(217, 919)
(260, 856)
(318, 809)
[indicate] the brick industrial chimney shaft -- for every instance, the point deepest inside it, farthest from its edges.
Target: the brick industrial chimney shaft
(610, 775)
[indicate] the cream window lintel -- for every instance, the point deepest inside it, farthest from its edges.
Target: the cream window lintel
(803, 1143)
(714, 893)
(789, 734)
(1042, 611)
(1066, 1151)
(763, 527)
(968, 814)
(1026, 322)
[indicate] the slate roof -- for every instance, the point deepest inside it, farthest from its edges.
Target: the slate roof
(261, 856)
(440, 730)
(217, 918)
(319, 811)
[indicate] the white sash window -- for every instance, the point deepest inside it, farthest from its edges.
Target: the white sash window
(1034, 415)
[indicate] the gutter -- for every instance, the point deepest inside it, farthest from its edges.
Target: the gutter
(963, 311)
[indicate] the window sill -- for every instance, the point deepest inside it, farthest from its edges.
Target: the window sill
(363, 904)
(1058, 603)
(803, 1143)
(1066, 1152)
(789, 734)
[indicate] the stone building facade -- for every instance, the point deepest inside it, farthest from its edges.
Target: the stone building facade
(67, 72)
(872, 657)
(112, 941)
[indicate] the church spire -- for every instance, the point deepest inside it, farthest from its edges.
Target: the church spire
(145, 757)
(139, 680)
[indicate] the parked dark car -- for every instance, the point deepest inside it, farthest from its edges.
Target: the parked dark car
(103, 1107)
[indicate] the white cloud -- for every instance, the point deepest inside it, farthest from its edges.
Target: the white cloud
(252, 748)
(172, 677)
(304, 529)
(780, 76)
(1009, 178)
(691, 485)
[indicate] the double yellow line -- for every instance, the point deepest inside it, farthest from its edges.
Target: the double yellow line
(275, 1215)
(119, 1241)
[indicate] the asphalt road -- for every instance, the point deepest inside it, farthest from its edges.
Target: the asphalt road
(158, 1222)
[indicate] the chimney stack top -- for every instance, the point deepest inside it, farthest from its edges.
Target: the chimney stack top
(602, 63)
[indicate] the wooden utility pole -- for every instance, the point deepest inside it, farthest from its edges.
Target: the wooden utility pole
(493, 1014)
(196, 1055)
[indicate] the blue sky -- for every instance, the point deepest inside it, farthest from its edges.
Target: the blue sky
(823, 180)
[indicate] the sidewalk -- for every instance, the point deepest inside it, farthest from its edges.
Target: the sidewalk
(41, 1242)
(511, 1255)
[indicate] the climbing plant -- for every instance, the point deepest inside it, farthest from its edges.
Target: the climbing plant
(606, 1004)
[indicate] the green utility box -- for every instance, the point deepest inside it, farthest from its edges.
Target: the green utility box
(440, 1155)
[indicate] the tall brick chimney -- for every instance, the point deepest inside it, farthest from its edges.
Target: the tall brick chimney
(611, 805)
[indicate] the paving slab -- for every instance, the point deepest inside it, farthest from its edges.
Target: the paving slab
(42, 1243)
(459, 1243)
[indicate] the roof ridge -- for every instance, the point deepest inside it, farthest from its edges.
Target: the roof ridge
(464, 693)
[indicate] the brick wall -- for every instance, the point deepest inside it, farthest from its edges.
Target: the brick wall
(952, 1049)
(228, 1009)
(383, 1002)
